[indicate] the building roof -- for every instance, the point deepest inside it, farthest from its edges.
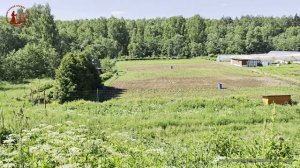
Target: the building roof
(271, 56)
(245, 59)
(284, 53)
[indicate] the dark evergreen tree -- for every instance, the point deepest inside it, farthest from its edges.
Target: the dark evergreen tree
(76, 77)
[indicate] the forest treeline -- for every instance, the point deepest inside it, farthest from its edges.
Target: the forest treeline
(37, 48)
(181, 37)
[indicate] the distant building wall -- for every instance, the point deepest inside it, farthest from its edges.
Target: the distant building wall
(244, 62)
(252, 63)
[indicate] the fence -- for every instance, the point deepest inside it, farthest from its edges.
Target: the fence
(107, 93)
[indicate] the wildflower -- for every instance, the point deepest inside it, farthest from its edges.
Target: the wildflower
(46, 148)
(8, 165)
(68, 166)
(35, 130)
(48, 127)
(53, 134)
(33, 149)
(70, 133)
(25, 139)
(219, 158)
(75, 151)
(9, 141)
(57, 142)
(158, 151)
(42, 125)
(13, 153)
(69, 123)
(60, 158)
(29, 134)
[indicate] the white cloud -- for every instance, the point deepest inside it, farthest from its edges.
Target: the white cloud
(118, 14)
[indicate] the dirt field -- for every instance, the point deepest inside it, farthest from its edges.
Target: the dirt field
(200, 82)
(199, 76)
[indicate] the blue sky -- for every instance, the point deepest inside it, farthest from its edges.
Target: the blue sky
(87, 9)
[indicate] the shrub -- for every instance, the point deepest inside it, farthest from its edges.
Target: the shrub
(75, 77)
(32, 61)
(4, 134)
(108, 68)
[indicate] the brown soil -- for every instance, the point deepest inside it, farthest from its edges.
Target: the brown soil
(200, 82)
(160, 67)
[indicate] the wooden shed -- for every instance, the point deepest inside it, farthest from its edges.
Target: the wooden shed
(277, 99)
(244, 62)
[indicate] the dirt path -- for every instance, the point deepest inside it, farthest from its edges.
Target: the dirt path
(291, 81)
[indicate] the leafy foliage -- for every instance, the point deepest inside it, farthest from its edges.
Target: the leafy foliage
(32, 61)
(76, 76)
(108, 68)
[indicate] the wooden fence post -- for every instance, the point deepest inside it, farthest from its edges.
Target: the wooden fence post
(97, 94)
(45, 99)
(31, 97)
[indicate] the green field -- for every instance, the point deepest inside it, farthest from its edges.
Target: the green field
(158, 116)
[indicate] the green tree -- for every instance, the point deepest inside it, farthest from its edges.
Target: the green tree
(136, 50)
(153, 34)
(68, 36)
(118, 32)
(102, 48)
(176, 47)
(235, 40)
(136, 47)
(173, 26)
(196, 35)
(9, 40)
(196, 29)
(216, 32)
(289, 40)
(254, 41)
(41, 26)
(32, 61)
(75, 77)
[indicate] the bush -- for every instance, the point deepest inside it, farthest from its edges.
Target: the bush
(75, 77)
(37, 94)
(4, 134)
(108, 68)
(32, 61)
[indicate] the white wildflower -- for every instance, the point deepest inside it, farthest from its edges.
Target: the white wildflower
(35, 130)
(82, 130)
(29, 134)
(60, 158)
(25, 139)
(26, 131)
(13, 153)
(42, 125)
(33, 149)
(8, 165)
(68, 166)
(46, 148)
(157, 151)
(219, 158)
(82, 126)
(9, 141)
(70, 133)
(48, 127)
(57, 142)
(75, 151)
(53, 134)
(69, 123)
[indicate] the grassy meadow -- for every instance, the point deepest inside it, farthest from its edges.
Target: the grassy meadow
(160, 113)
